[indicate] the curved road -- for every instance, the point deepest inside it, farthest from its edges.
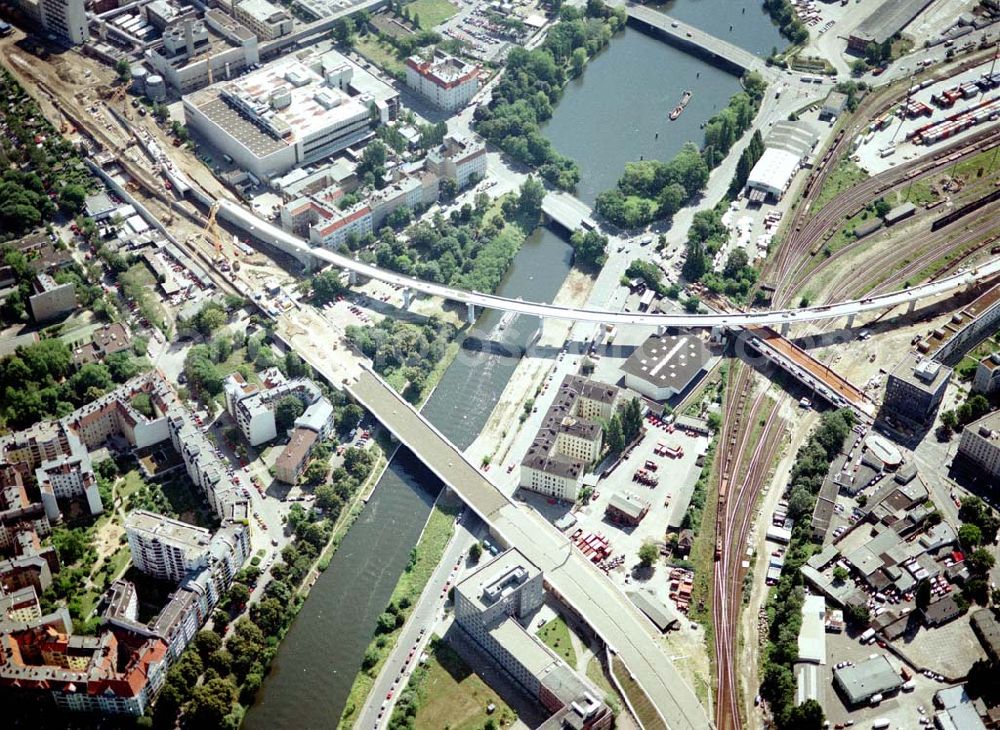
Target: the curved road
(268, 232)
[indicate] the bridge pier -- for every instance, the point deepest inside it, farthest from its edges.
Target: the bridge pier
(352, 277)
(911, 306)
(785, 327)
(407, 297)
(850, 319)
(470, 313)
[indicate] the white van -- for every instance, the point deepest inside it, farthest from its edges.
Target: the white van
(875, 701)
(880, 724)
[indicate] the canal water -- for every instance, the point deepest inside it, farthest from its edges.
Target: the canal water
(607, 117)
(617, 110)
(316, 663)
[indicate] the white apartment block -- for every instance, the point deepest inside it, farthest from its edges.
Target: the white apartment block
(66, 18)
(444, 80)
(980, 444)
(510, 585)
(461, 159)
(987, 377)
(164, 548)
(265, 19)
(253, 408)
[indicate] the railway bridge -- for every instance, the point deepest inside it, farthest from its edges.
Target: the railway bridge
(688, 38)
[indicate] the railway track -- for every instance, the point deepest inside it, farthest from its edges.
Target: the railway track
(828, 220)
(740, 483)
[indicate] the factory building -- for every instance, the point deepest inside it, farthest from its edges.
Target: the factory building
(288, 114)
(884, 23)
(266, 20)
(771, 176)
(665, 365)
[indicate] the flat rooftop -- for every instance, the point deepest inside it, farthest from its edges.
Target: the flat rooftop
(670, 361)
(168, 530)
(498, 578)
(921, 372)
(530, 653)
(888, 19)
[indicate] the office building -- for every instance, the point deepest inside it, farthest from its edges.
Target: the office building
(987, 377)
(265, 19)
(491, 606)
(569, 439)
(66, 19)
(459, 159)
(51, 299)
(914, 389)
(980, 445)
(665, 365)
(164, 548)
(445, 81)
(194, 53)
(287, 114)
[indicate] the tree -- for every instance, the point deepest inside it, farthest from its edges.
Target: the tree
(589, 248)
(980, 562)
(579, 60)
(857, 614)
(923, 596)
(288, 409)
(881, 207)
(475, 552)
(210, 703)
(614, 437)
(327, 286)
(206, 643)
(72, 197)
(807, 716)
(316, 472)
(648, 553)
(970, 536)
(840, 574)
(238, 595)
(327, 498)
(343, 32)
(123, 69)
(631, 420)
(529, 201)
(269, 615)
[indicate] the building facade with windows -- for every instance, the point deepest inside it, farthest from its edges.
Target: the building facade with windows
(980, 444)
(447, 82)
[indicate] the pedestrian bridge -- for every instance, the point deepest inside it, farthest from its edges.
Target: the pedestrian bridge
(689, 38)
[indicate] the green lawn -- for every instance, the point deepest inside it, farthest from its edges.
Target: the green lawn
(381, 54)
(431, 13)
(452, 696)
(131, 483)
(555, 634)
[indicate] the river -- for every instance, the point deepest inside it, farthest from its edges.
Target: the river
(316, 663)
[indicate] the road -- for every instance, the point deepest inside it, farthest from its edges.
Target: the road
(270, 233)
(427, 612)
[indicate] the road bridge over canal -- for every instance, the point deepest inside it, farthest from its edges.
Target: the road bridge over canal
(576, 581)
(689, 38)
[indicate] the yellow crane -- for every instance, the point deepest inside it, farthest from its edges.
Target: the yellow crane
(214, 236)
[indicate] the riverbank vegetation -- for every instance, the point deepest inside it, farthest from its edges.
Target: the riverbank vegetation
(784, 608)
(472, 248)
(783, 14)
(652, 190)
(424, 558)
(532, 83)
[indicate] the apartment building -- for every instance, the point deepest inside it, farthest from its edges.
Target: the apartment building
(987, 377)
(447, 82)
(113, 673)
(253, 408)
(292, 461)
(164, 548)
(569, 439)
(980, 444)
(491, 606)
(265, 19)
(915, 388)
(51, 299)
(459, 158)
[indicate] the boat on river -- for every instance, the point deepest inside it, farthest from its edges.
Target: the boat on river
(679, 109)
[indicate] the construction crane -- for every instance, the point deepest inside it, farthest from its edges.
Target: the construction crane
(214, 236)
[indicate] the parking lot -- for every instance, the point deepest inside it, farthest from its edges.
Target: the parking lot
(490, 28)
